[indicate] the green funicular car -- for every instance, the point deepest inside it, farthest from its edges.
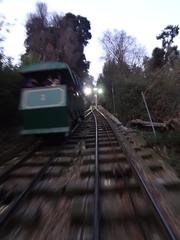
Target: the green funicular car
(47, 106)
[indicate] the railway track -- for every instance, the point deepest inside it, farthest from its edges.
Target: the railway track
(101, 183)
(12, 146)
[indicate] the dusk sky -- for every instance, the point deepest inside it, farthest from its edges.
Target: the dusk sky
(142, 19)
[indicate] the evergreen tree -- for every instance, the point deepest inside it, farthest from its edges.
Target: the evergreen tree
(58, 38)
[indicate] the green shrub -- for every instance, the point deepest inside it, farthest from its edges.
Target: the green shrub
(10, 86)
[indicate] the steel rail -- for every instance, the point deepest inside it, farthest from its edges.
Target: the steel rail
(166, 227)
(4, 217)
(88, 112)
(24, 158)
(125, 180)
(6, 173)
(12, 207)
(96, 234)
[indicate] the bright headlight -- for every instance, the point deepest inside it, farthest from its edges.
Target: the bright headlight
(87, 91)
(100, 91)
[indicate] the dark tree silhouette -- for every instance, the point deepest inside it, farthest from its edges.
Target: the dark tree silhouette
(158, 58)
(167, 36)
(56, 37)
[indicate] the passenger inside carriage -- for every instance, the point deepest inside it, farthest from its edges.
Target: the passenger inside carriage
(31, 83)
(52, 81)
(42, 80)
(55, 82)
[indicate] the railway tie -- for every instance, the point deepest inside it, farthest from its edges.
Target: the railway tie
(102, 182)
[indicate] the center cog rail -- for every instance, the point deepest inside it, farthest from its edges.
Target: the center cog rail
(97, 200)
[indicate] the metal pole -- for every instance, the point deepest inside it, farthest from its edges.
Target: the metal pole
(152, 125)
(96, 103)
(113, 99)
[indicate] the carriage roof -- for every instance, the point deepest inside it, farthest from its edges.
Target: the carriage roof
(46, 66)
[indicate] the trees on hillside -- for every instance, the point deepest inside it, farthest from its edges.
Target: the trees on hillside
(167, 36)
(122, 48)
(2, 24)
(127, 72)
(5, 61)
(168, 53)
(122, 73)
(9, 84)
(57, 37)
(157, 60)
(49, 37)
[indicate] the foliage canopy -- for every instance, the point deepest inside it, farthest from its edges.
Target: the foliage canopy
(54, 37)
